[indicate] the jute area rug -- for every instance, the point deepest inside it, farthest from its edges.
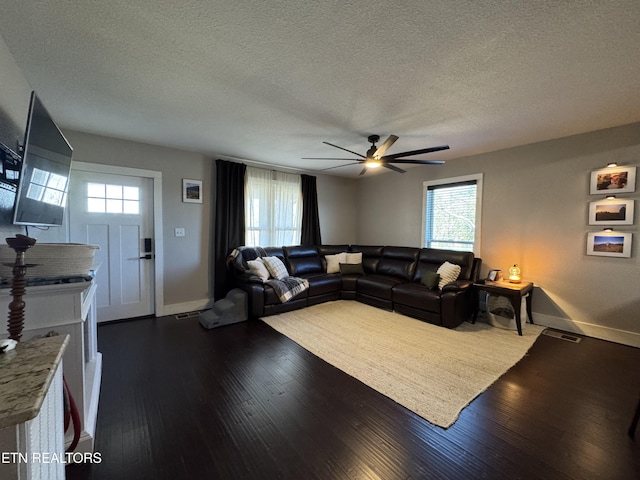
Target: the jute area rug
(433, 371)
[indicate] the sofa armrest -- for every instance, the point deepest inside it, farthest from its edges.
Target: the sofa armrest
(457, 286)
(255, 293)
(457, 303)
(246, 277)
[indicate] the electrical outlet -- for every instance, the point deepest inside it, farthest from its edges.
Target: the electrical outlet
(179, 232)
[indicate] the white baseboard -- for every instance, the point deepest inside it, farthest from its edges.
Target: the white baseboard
(589, 329)
(177, 308)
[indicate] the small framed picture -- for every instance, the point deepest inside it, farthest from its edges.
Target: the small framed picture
(494, 275)
(613, 180)
(611, 211)
(609, 244)
(191, 191)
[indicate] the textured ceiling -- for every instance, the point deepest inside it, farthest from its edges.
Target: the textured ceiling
(269, 81)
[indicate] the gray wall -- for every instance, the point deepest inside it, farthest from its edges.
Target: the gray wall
(535, 213)
(186, 259)
(337, 207)
(14, 99)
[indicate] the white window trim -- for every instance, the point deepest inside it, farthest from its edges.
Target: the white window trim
(477, 250)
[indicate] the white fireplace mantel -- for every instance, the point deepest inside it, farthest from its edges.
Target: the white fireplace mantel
(68, 308)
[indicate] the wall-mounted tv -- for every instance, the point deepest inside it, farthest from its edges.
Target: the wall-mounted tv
(44, 176)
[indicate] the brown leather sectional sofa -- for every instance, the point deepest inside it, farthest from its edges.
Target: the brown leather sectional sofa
(391, 280)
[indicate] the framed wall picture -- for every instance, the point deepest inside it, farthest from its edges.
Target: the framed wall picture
(613, 180)
(611, 211)
(191, 191)
(609, 244)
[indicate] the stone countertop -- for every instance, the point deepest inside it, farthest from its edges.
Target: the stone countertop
(25, 375)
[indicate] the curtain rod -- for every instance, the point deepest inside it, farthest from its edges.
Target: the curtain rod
(258, 162)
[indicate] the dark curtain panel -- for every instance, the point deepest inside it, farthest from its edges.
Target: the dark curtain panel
(310, 218)
(229, 220)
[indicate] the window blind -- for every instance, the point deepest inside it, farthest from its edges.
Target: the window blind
(450, 215)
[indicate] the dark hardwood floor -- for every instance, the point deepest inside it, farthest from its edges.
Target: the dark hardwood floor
(244, 402)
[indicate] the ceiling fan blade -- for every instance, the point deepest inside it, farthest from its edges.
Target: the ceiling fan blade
(418, 162)
(393, 167)
(336, 146)
(364, 170)
(340, 166)
(416, 152)
(385, 146)
(327, 158)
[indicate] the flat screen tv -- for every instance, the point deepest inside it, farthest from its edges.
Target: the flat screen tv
(44, 175)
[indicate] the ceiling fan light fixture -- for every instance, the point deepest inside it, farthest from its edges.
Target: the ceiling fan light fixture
(373, 163)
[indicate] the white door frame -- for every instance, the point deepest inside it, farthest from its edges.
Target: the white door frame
(156, 178)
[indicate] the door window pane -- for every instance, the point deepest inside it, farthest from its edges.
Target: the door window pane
(116, 199)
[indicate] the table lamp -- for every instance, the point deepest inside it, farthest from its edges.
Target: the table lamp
(514, 274)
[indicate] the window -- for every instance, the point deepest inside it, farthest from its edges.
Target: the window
(105, 198)
(273, 208)
(452, 212)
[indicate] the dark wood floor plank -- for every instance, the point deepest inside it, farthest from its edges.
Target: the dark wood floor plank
(244, 402)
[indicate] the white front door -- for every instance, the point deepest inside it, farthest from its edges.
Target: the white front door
(115, 212)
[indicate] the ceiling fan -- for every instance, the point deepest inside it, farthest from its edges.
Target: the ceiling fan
(376, 157)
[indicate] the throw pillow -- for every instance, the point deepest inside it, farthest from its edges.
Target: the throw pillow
(430, 279)
(276, 267)
(448, 273)
(351, 269)
(257, 268)
(334, 261)
(355, 257)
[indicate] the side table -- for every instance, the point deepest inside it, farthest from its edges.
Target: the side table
(513, 291)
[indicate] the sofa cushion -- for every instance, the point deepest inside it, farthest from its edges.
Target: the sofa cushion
(325, 250)
(448, 273)
(417, 296)
(303, 260)
(430, 259)
(276, 267)
(370, 256)
(375, 285)
(323, 283)
(274, 252)
(398, 262)
(349, 282)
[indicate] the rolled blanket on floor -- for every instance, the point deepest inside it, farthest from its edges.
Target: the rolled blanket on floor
(499, 305)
